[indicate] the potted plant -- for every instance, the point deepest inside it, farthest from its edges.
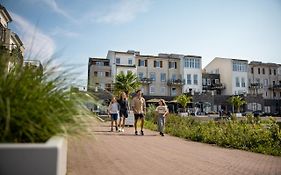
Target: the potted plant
(36, 112)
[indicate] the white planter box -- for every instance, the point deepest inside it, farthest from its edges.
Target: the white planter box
(48, 158)
(130, 120)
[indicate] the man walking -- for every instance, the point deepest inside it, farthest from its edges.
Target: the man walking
(139, 108)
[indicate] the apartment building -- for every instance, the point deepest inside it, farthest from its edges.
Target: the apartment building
(265, 79)
(99, 74)
(233, 74)
(160, 75)
(191, 70)
(9, 41)
(212, 83)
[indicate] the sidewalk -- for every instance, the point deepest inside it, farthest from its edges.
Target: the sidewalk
(113, 153)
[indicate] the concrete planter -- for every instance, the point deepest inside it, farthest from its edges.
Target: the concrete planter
(48, 158)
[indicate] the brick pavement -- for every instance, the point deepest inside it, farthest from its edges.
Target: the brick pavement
(112, 153)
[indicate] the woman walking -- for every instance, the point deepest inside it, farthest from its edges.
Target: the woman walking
(124, 107)
(162, 111)
(113, 110)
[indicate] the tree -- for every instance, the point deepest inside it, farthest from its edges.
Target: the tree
(237, 101)
(183, 100)
(126, 82)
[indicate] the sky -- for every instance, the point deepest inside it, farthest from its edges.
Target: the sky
(72, 31)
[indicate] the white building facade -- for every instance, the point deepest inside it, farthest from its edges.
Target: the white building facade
(233, 73)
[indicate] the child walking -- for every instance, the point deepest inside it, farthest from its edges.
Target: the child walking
(162, 111)
(113, 110)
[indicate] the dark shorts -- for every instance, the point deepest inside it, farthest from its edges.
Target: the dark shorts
(124, 113)
(114, 116)
(138, 116)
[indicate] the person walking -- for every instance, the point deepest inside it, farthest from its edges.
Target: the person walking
(162, 111)
(113, 109)
(123, 113)
(139, 108)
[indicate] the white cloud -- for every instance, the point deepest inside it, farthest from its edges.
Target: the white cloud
(37, 44)
(122, 12)
(57, 31)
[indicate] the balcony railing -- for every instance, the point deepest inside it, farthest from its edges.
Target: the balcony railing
(255, 86)
(179, 82)
(275, 87)
(217, 86)
(146, 80)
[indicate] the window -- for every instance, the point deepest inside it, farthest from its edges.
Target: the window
(258, 80)
(152, 89)
(263, 71)
(140, 75)
(269, 71)
(174, 77)
(274, 71)
(265, 82)
(117, 60)
(204, 82)
(192, 63)
(172, 64)
(158, 64)
(239, 66)
(274, 94)
(217, 81)
(259, 71)
(188, 79)
(195, 79)
(143, 63)
(243, 84)
(130, 61)
(273, 82)
(107, 74)
(252, 70)
(99, 63)
(153, 76)
(237, 82)
(174, 92)
(163, 90)
(163, 76)
(95, 74)
(209, 81)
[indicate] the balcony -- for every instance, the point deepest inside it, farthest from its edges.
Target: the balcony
(218, 86)
(255, 86)
(146, 80)
(275, 87)
(177, 82)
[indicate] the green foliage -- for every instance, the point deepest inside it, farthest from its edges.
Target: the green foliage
(150, 113)
(248, 134)
(35, 106)
(126, 82)
(183, 100)
(237, 101)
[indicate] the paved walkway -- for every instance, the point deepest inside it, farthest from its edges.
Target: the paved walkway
(113, 153)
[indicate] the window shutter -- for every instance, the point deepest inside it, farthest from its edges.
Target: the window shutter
(145, 62)
(161, 63)
(154, 63)
(175, 65)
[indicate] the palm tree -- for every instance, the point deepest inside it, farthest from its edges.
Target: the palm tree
(183, 100)
(236, 102)
(126, 82)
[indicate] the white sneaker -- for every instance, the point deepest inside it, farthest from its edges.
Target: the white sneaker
(122, 129)
(119, 129)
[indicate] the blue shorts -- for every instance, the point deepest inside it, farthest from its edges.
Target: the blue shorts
(114, 116)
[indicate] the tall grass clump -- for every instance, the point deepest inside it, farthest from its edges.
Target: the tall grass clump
(35, 103)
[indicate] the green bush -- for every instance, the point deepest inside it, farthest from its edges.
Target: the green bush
(35, 104)
(248, 134)
(151, 114)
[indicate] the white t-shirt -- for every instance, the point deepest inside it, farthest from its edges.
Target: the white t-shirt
(161, 109)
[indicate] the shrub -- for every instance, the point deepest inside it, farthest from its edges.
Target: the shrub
(248, 134)
(35, 105)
